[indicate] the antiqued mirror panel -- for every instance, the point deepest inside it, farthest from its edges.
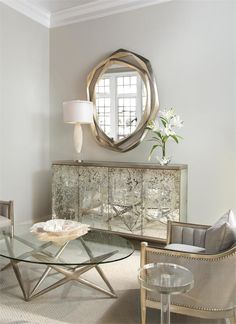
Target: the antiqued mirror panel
(161, 193)
(65, 188)
(125, 200)
(93, 196)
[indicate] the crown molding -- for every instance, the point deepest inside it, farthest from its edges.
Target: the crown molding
(88, 11)
(29, 10)
(97, 9)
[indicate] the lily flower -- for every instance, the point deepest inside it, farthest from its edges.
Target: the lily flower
(167, 114)
(176, 122)
(168, 131)
(163, 130)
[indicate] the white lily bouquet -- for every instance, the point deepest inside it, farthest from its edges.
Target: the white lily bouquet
(162, 130)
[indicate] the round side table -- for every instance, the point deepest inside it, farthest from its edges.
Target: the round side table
(166, 279)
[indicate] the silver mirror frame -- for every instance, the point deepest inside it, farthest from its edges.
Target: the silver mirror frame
(143, 67)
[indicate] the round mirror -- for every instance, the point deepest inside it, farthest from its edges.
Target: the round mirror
(124, 92)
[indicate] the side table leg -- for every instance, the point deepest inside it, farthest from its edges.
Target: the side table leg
(165, 308)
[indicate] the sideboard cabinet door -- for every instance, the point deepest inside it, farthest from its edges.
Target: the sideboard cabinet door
(126, 200)
(65, 192)
(93, 196)
(161, 192)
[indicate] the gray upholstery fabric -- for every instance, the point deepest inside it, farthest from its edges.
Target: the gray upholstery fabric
(188, 235)
(222, 235)
(177, 234)
(214, 291)
(228, 217)
(4, 210)
(185, 248)
(214, 281)
(4, 221)
(219, 238)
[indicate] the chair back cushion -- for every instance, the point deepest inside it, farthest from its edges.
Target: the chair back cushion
(4, 221)
(4, 210)
(188, 235)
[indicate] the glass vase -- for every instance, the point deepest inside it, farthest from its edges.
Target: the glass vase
(164, 160)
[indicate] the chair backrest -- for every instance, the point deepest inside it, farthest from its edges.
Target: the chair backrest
(186, 233)
(7, 210)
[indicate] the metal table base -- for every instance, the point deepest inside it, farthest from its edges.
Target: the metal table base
(70, 273)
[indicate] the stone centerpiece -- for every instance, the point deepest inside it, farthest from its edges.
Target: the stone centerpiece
(59, 230)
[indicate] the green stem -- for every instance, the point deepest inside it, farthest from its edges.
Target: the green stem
(163, 149)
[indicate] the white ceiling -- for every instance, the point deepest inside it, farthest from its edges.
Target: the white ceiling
(54, 13)
(53, 6)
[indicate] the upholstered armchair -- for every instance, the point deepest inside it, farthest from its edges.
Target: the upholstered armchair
(214, 292)
(7, 215)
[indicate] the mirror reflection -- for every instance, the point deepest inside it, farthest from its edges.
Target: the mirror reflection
(120, 101)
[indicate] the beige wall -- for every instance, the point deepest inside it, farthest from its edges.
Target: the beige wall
(234, 81)
(24, 114)
(1, 99)
(191, 48)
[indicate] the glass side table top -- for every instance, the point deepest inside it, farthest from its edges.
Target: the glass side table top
(166, 278)
(27, 247)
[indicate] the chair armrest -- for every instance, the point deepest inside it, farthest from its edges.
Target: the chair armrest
(212, 274)
(186, 233)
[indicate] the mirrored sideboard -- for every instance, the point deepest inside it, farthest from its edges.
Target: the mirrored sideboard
(128, 198)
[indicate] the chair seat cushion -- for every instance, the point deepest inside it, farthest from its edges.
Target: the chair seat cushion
(4, 221)
(185, 248)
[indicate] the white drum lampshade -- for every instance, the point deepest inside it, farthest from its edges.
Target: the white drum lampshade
(78, 112)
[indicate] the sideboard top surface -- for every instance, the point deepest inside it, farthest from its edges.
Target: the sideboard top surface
(122, 165)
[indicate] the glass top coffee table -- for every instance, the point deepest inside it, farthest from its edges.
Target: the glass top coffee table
(71, 260)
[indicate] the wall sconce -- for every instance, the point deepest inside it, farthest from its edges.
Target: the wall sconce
(78, 112)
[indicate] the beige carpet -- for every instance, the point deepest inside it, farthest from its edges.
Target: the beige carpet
(79, 304)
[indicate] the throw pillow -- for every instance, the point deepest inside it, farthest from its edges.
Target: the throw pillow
(219, 237)
(228, 217)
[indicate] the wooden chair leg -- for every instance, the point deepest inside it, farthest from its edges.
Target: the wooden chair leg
(144, 314)
(143, 292)
(143, 305)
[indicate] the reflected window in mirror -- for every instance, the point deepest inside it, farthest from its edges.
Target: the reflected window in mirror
(120, 102)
